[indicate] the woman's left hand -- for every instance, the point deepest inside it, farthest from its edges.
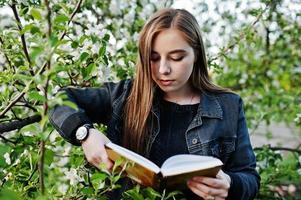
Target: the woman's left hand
(211, 188)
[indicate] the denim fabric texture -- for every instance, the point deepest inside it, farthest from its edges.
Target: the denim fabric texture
(218, 129)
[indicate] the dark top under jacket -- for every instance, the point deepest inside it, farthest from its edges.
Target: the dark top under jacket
(217, 129)
(174, 121)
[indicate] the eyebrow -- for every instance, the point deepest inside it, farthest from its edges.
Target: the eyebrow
(174, 51)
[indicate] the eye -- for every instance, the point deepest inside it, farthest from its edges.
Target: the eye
(177, 58)
(154, 58)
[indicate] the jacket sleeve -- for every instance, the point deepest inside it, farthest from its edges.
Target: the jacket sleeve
(245, 180)
(94, 105)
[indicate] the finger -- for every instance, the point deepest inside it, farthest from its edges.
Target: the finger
(105, 159)
(212, 182)
(209, 190)
(198, 192)
(96, 161)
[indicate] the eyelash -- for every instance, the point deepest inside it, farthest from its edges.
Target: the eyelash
(174, 59)
(178, 59)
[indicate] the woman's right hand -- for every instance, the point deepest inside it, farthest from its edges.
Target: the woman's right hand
(94, 149)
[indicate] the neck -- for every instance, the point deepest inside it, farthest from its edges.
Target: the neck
(185, 98)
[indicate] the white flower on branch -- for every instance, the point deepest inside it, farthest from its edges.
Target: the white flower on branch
(7, 158)
(130, 16)
(115, 7)
(72, 176)
(63, 188)
(298, 120)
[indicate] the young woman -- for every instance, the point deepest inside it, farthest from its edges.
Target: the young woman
(170, 107)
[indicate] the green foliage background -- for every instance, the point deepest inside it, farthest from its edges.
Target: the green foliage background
(48, 45)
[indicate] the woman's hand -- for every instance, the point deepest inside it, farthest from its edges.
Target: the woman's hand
(211, 188)
(94, 149)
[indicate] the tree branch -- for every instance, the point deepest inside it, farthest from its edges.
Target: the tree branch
(41, 166)
(48, 17)
(240, 37)
(6, 57)
(24, 45)
(7, 140)
(32, 173)
(17, 124)
(14, 101)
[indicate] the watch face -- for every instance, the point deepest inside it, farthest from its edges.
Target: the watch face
(81, 133)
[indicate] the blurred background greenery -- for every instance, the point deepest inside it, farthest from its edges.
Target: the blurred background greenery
(253, 47)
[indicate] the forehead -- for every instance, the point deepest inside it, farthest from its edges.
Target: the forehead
(169, 40)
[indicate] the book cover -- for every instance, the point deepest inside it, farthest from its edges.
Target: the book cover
(174, 172)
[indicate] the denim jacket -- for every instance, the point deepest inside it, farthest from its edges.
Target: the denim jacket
(219, 128)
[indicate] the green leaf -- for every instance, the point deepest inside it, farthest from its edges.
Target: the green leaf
(3, 149)
(99, 177)
(74, 44)
(54, 40)
(70, 104)
(36, 52)
(22, 77)
(88, 71)
(36, 96)
(84, 56)
(88, 191)
(61, 19)
(26, 28)
(102, 50)
(34, 30)
(49, 155)
(106, 37)
(36, 14)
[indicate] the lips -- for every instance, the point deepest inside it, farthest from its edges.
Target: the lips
(166, 82)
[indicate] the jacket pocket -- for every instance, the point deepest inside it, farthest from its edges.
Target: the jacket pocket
(220, 148)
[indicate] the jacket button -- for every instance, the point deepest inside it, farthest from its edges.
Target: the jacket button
(194, 140)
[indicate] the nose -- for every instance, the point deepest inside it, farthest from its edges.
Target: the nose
(164, 67)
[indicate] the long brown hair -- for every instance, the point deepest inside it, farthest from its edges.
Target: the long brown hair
(139, 103)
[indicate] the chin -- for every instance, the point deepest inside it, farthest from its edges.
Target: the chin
(167, 88)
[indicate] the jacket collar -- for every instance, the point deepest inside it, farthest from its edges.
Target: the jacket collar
(209, 106)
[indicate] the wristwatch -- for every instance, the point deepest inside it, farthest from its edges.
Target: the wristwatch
(82, 132)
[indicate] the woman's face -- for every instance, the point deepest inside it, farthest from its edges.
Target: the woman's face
(172, 60)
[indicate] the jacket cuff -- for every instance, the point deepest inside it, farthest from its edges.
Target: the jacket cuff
(71, 124)
(235, 186)
(66, 121)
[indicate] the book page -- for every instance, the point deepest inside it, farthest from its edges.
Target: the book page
(185, 163)
(134, 157)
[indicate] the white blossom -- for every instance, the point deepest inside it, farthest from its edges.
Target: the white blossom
(243, 79)
(130, 16)
(2, 88)
(72, 176)
(63, 188)
(136, 36)
(54, 91)
(269, 73)
(7, 158)
(63, 74)
(62, 161)
(115, 7)
(67, 150)
(28, 133)
(54, 135)
(147, 11)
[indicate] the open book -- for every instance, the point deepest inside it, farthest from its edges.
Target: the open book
(174, 172)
